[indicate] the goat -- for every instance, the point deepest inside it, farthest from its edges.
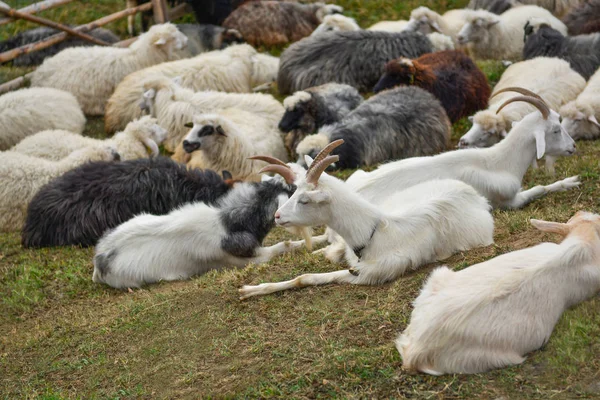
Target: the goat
(407, 230)
(451, 76)
(491, 314)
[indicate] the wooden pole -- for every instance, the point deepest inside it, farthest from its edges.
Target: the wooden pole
(15, 83)
(42, 21)
(159, 9)
(59, 37)
(37, 7)
(179, 11)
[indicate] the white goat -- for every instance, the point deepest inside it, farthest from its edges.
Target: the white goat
(491, 314)
(580, 117)
(409, 229)
(425, 20)
(28, 111)
(174, 106)
(500, 37)
(91, 74)
(139, 138)
(219, 142)
(236, 69)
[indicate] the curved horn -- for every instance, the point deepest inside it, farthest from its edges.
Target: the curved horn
(537, 103)
(325, 152)
(313, 175)
(521, 90)
(270, 160)
(285, 172)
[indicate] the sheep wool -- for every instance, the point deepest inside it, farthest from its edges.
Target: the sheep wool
(91, 74)
(27, 111)
(580, 116)
(584, 18)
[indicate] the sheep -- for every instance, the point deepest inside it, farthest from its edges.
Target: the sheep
(237, 68)
(495, 172)
(550, 78)
(493, 6)
(273, 23)
(449, 75)
(27, 111)
(493, 313)
(425, 20)
(37, 34)
(174, 106)
(389, 26)
(193, 239)
(500, 37)
(394, 124)
(582, 52)
(584, 18)
(21, 176)
(336, 22)
(355, 58)
(139, 138)
(91, 74)
(408, 229)
(204, 38)
(81, 205)
(308, 110)
(580, 116)
(218, 141)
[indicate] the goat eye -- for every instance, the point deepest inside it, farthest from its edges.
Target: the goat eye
(302, 201)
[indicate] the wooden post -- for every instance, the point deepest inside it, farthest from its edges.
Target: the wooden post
(42, 21)
(159, 9)
(37, 7)
(179, 11)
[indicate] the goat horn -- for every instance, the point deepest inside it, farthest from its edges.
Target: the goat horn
(537, 103)
(325, 152)
(313, 175)
(285, 172)
(270, 160)
(521, 90)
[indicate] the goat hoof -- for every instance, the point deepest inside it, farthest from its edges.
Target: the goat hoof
(353, 271)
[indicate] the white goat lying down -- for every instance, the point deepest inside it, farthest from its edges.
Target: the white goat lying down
(496, 172)
(491, 314)
(423, 224)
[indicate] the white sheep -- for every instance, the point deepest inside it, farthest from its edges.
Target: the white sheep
(389, 26)
(21, 176)
(139, 139)
(492, 314)
(425, 20)
(218, 142)
(236, 69)
(580, 116)
(336, 22)
(500, 37)
(91, 74)
(27, 111)
(550, 78)
(406, 230)
(174, 106)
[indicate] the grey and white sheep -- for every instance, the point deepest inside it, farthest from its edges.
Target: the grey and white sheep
(204, 38)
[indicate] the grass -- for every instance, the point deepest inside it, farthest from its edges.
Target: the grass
(61, 336)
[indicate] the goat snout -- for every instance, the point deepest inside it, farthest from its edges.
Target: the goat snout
(277, 215)
(190, 147)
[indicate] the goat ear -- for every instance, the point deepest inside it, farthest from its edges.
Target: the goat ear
(540, 142)
(436, 26)
(552, 227)
(318, 196)
(308, 160)
(160, 42)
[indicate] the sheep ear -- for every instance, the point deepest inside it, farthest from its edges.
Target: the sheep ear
(552, 227)
(492, 23)
(226, 175)
(308, 160)
(189, 125)
(177, 80)
(594, 121)
(150, 94)
(540, 142)
(220, 130)
(471, 118)
(160, 42)
(151, 144)
(436, 26)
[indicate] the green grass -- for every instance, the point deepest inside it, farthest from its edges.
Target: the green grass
(61, 336)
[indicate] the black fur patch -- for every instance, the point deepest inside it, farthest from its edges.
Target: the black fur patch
(102, 262)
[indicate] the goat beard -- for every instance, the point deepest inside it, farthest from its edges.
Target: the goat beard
(305, 232)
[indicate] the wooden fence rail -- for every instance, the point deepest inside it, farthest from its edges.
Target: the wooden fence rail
(37, 7)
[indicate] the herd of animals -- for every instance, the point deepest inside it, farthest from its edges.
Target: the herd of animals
(192, 89)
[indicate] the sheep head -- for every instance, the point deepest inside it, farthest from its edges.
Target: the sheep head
(165, 37)
(397, 72)
(579, 120)
(207, 131)
(227, 38)
(327, 9)
(424, 20)
(477, 28)
(151, 88)
(488, 129)
(147, 131)
(335, 23)
(297, 113)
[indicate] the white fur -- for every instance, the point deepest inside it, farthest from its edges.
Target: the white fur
(21, 176)
(440, 42)
(247, 136)
(492, 314)
(406, 230)
(235, 69)
(27, 111)
(500, 37)
(91, 74)
(425, 20)
(139, 138)
(291, 101)
(389, 26)
(581, 116)
(336, 22)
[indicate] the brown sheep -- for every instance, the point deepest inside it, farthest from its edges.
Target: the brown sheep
(272, 23)
(451, 76)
